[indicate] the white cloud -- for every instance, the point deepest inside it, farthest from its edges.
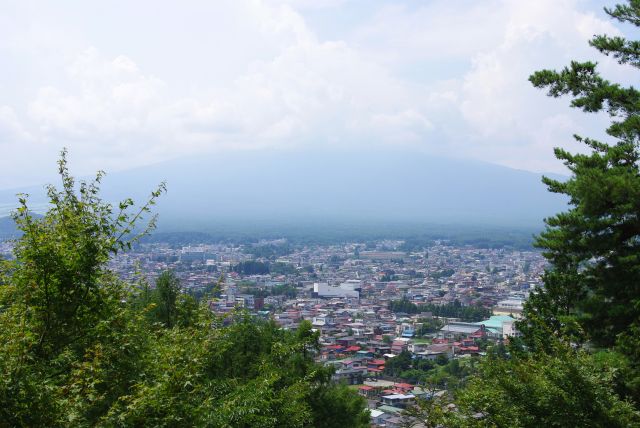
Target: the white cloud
(11, 129)
(503, 109)
(108, 98)
(438, 75)
(436, 31)
(311, 91)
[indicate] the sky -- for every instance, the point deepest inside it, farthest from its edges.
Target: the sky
(125, 84)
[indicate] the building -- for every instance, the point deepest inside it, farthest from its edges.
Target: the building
(509, 307)
(345, 290)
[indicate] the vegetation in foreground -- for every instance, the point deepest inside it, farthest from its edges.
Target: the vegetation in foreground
(79, 347)
(578, 361)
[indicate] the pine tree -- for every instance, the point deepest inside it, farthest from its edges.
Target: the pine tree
(592, 290)
(580, 363)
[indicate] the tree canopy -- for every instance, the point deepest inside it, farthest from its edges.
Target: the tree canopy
(577, 363)
(80, 347)
(591, 292)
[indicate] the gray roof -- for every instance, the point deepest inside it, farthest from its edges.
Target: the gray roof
(460, 327)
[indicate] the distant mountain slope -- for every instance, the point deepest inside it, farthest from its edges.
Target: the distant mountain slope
(374, 186)
(7, 227)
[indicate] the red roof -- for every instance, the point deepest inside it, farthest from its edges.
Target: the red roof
(365, 388)
(403, 385)
(352, 349)
(335, 346)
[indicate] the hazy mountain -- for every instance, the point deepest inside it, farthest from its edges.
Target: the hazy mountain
(7, 228)
(354, 187)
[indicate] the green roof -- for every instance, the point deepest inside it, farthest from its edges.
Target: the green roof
(495, 321)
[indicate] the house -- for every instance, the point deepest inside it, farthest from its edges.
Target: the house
(399, 345)
(509, 330)
(350, 371)
(509, 307)
(350, 376)
(377, 416)
(324, 290)
(403, 388)
(414, 348)
(367, 391)
(460, 329)
(398, 400)
(321, 321)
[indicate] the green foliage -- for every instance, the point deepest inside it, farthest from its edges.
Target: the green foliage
(167, 291)
(251, 267)
(449, 310)
(560, 389)
(59, 280)
(592, 290)
(338, 407)
(335, 260)
(428, 411)
(414, 244)
(280, 268)
(401, 362)
(286, 290)
(68, 346)
(428, 326)
(79, 347)
(251, 373)
(594, 247)
(442, 372)
(580, 364)
(269, 251)
(388, 276)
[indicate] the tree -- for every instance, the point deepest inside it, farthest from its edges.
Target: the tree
(396, 365)
(61, 312)
(251, 373)
(251, 267)
(564, 388)
(592, 290)
(78, 347)
(578, 362)
(60, 269)
(168, 289)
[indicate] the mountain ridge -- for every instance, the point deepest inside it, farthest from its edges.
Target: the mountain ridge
(343, 186)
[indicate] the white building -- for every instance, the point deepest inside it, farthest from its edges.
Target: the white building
(344, 290)
(509, 307)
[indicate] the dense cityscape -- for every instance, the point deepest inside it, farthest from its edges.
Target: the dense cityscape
(375, 304)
